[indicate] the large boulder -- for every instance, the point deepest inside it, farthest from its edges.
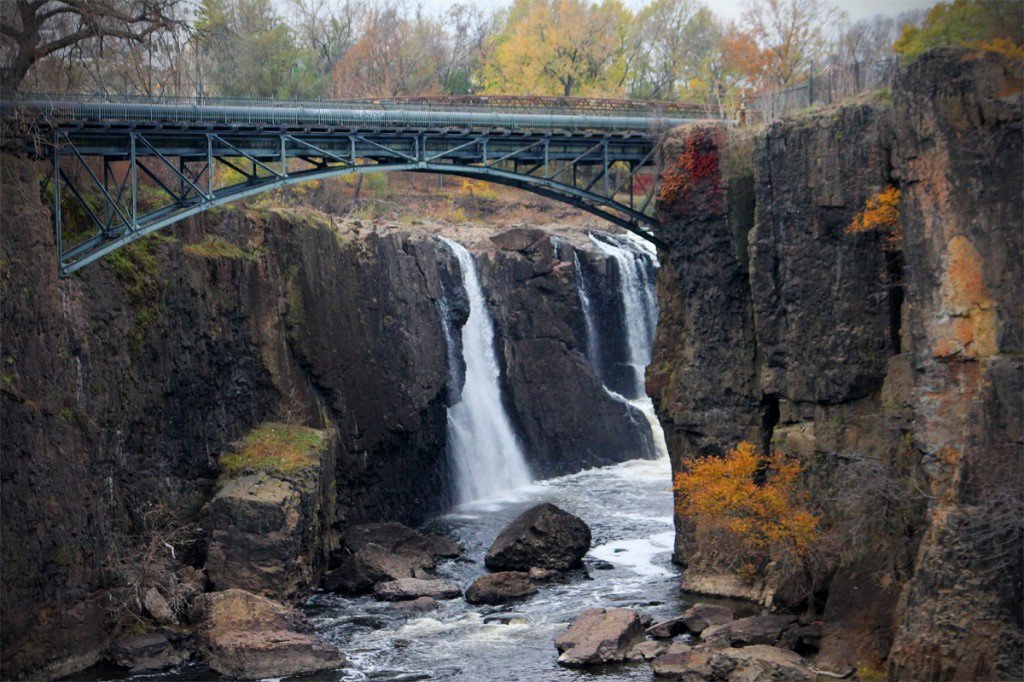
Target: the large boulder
(694, 620)
(682, 663)
(760, 662)
(248, 636)
(749, 631)
(407, 589)
(543, 536)
(600, 636)
(497, 588)
(380, 552)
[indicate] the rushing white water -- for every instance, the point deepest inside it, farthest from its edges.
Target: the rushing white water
(486, 455)
(635, 266)
(583, 287)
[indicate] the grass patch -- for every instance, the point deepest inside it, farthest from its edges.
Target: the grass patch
(136, 264)
(214, 247)
(275, 447)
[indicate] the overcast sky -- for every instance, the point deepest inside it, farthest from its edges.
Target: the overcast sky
(730, 9)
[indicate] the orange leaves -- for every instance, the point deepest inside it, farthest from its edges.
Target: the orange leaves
(695, 172)
(743, 520)
(881, 214)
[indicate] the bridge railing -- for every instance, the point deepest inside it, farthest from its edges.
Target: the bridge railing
(493, 103)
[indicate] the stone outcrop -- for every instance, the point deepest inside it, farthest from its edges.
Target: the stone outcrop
(247, 636)
(266, 529)
(694, 620)
(543, 536)
(599, 636)
(498, 588)
(891, 370)
(152, 651)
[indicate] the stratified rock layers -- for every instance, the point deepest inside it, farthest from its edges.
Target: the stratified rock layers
(894, 374)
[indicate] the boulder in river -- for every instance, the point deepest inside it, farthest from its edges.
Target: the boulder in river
(543, 536)
(413, 606)
(407, 589)
(379, 552)
(766, 629)
(244, 635)
(694, 620)
(600, 636)
(497, 588)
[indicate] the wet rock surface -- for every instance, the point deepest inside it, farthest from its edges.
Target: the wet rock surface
(408, 589)
(380, 552)
(694, 620)
(542, 537)
(151, 651)
(247, 636)
(599, 636)
(497, 588)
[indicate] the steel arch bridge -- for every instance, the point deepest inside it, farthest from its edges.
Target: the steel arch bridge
(581, 155)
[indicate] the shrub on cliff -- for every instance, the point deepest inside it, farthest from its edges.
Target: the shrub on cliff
(983, 24)
(881, 214)
(746, 510)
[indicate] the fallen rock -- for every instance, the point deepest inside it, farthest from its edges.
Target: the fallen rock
(406, 589)
(497, 588)
(760, 662)
(646, 651)
(599, 636)
(545, 575)
(518, 238)
(378, 552)
(418, 605)
(748, 631)
(695, 620)
(149, 652)
(683, 665)
(803, 639)
(158, 608)
(543, 537)
(244, 635)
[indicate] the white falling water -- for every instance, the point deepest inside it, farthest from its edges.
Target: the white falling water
(638, 302)
(486, 455)
(636, 262)
(583, 287)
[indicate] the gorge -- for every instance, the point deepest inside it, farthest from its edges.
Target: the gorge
(269, 390)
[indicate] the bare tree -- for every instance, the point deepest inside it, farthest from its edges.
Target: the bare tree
(35, 29)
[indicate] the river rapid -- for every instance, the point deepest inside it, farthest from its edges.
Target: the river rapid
(629, 509)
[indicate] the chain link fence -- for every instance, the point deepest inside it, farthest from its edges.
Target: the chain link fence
(832, 85)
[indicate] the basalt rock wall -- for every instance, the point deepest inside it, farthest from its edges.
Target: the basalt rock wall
(891, 369)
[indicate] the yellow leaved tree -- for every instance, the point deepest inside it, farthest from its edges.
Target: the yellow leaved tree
(746, 509)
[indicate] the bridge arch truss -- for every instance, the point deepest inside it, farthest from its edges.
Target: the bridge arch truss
(103, 168)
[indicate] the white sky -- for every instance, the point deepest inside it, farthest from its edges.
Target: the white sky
(730, 9)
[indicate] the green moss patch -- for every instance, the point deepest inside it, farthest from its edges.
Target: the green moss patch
(214, 247)
(275, 447)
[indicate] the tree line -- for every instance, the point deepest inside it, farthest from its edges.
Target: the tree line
(306, 49)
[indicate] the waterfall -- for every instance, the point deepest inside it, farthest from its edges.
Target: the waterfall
(485, 453)
(636, 263)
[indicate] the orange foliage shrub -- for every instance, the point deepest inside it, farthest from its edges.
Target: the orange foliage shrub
(741, 523)
(881, 214)
(1003, 46)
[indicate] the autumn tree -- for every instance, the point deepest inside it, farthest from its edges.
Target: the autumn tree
(32, 30)
(250, 51)
(678, 41)
(777, 42)
(981, 23)
(559, 47)
(746, 509)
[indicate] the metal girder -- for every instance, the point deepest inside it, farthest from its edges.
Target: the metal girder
(576, 169)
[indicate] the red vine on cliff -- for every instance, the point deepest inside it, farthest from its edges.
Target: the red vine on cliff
(695, 176)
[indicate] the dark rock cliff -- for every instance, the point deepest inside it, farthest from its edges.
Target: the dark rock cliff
(893, 373)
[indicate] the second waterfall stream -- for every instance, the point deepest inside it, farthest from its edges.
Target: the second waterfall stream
(486, 455)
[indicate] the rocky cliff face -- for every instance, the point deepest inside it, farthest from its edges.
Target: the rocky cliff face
(892, 373)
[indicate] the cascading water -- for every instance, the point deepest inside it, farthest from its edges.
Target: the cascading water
(636, 264)
(485, 453)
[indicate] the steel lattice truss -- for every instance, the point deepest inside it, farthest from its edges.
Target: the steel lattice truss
(104, 163)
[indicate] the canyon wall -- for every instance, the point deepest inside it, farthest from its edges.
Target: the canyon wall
(126, 386)
(892, 371)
